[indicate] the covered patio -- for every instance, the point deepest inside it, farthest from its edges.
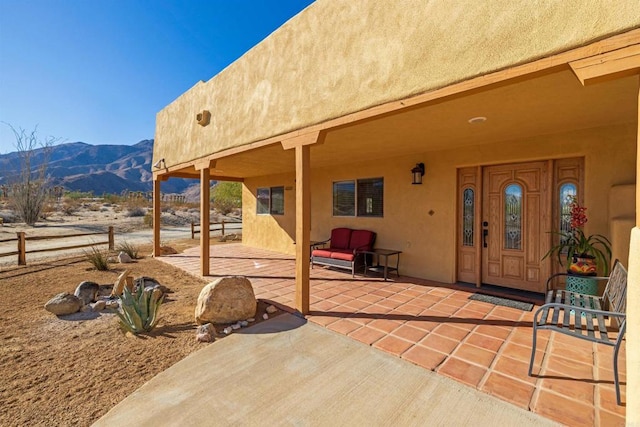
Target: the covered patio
(436, 326)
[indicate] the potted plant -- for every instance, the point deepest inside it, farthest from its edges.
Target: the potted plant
(584, 254)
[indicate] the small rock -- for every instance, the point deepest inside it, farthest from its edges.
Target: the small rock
(227, 330)
(124, 258)
(265, 316)
(235, 326)
(113, 304)
(244, 323)
(63, 303)
(99, 305)
(149, 283)
(271, 309)
(251, 320)
(205, 333)
(87, 292)
(167, 250)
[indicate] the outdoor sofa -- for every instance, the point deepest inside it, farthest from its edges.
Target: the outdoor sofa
(345, 249)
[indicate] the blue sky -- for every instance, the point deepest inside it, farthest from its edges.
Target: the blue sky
(98, 71)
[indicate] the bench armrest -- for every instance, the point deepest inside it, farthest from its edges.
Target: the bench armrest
(316, 245)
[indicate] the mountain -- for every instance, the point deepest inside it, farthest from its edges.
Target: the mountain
(78, 166)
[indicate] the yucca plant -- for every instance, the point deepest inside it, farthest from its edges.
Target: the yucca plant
(139, 311)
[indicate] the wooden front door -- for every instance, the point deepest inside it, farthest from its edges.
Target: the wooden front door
(515, 219)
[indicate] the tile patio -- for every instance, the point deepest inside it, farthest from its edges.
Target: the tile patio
(435, 326)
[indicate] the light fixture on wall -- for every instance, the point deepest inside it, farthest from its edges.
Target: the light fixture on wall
(417, 173)
(160, 164)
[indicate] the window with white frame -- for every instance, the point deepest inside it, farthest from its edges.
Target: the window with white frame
(270, 200)
(362, 197)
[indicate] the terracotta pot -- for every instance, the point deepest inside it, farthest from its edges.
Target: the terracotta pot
(584, 265)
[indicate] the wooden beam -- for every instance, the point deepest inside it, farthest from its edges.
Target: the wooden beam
(205, 178)
(161, 176)
(310, 138)
(156, 217)
(606, 66)
(204, 164)
(303, 226)
(197, 176)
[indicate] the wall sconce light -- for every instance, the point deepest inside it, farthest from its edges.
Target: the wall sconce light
(203, 118)
(160, 164)
(418, 173)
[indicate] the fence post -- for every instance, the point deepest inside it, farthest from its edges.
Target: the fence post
(22, 250)
(111, 239)
(193, 234)
(223, 228)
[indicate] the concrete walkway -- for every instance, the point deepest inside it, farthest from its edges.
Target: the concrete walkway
(287, 371)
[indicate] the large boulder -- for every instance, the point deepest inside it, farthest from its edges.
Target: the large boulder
(63, 303)
(87, 292)
(227, 300)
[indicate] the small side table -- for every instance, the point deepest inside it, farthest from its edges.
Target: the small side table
(586, 285)
(384, 253)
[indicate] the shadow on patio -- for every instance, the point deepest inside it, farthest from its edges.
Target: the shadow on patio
(437, 327)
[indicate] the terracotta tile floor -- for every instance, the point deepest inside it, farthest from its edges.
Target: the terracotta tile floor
(435, 326)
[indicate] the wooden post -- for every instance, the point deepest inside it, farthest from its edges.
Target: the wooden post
(193, 231)
(302, 145)
(205, 176)
(222, 228)
(22, 250)
(111, 238)
(303, 226)
(156, 216)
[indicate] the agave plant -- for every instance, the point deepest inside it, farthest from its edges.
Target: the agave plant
(139, 310)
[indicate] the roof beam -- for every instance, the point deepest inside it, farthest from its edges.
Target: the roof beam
(311, 138)
(606, 66)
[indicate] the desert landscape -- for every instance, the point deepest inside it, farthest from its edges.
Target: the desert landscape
(70, 370)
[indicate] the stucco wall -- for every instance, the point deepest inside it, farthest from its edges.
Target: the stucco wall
(275, 232)
(428, 241)
(341, 56)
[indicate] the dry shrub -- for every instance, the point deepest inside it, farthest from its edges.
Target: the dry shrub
(136, 211)
(70, 207)
(97, 258)
(148, 219)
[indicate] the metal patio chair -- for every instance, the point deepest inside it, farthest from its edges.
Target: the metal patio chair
(585, 316)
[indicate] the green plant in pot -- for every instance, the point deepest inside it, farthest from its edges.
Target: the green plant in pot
(584, 254)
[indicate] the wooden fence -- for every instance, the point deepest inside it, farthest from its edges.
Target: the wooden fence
(22, 240)
(194, 231)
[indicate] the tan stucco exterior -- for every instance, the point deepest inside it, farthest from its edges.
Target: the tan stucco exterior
(308, 71)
